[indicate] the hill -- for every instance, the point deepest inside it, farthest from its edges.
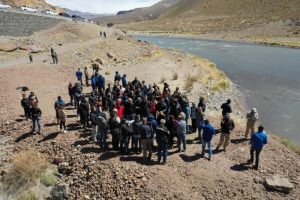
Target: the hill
(41, 4)
(139, 14)
(227, 19)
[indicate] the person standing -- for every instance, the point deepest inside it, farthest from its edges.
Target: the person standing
(200, 121)
(30, 58)
(115, 128)
(86, 75)
(26, 106)
(55, 58)
(36, 115)
(84, 112)
(60, 103)
(227, 126)
(208, 133)
(146, 138)
(258, 140)
(136, 136)
(252, 117)
(61, 117)
(181, 133)
(117, 77)
(102, 129)
(226, 108)
(194, 117)
(52, 55)
(162, 139)
(79, 75)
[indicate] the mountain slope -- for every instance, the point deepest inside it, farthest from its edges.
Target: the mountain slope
(140, 14)
(216, 16)
(41, 4)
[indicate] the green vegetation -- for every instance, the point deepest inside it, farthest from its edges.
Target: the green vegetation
(27, 167)
(290, 145)
(49, 178)
(188, 86)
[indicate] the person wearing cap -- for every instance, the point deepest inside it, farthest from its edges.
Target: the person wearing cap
(252, 118)
(162, 139)
(208, 133)
(258, 140)
(26, 106)
(227, 126)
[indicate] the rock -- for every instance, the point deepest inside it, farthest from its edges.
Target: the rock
(60, 192)
(111, 56)
(278, 183)
(87, 197)
(144, 179)
(8, 47)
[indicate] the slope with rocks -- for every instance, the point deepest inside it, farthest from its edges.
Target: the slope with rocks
(233, 19)
(92, 173)
(139, 14)
(40, 4)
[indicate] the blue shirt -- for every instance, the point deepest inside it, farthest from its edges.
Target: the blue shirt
(208, 132)
(79, 75)
(258, 140)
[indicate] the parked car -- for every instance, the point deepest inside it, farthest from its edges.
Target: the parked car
(64, 15)
(51, 12)
(4, 6)
(28, 9)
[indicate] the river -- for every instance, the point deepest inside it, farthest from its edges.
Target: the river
(267, 76)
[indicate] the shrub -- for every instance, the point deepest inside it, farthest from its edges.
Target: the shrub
(175, 76)
(26, 168)
(221, 85)
(48, 179)
(107, 73)
(28, 195)
(290, 145)
(188, 86)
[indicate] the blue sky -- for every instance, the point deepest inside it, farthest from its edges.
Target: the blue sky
(102, 6)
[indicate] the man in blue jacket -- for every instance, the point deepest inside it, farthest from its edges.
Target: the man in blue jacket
(208, 133)
(101, 83)
(258, 140)
(79, 75)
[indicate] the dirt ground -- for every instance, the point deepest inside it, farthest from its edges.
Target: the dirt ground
(98, 174)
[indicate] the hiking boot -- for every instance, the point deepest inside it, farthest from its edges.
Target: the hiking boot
(255, 167)
(250, 161)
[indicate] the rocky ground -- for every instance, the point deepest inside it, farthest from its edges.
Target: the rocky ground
(91, 173)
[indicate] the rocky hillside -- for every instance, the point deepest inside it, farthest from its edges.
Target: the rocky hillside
(139, 14)
(41, 4)
(248, 17)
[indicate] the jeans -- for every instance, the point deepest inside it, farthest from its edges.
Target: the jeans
(62, 125)
(136, 143)
(257, 153)
(147, 148)
(124, 143)
(181, 139)
(204, 143)
(200, 134)
(162, 150)
(36, 121)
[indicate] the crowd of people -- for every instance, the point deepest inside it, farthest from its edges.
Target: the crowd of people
(137, 114)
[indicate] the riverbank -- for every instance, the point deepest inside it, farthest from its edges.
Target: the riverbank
(271, 41)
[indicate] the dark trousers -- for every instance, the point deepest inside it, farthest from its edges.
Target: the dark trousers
(27, 113)
(136, 144)
(194, 125)
(62, 124)
(162, 151)
(257, 152)
(115, 140)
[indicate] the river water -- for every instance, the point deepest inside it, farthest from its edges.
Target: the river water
(269, 77)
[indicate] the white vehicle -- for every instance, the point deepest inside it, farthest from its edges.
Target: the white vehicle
(51, 12)
(28, 9)
(3, 6)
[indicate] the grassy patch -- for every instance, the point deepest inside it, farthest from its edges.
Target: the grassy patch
(27, 167)
(107, 73)
(175, 76)
(28, 195)
(49, 178)
(221, 85)
(290, 145)
(188, 86)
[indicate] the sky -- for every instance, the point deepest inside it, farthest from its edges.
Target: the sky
(102, 6)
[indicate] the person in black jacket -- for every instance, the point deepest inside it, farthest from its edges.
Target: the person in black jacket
(36, 115)
(202, 104)
(227, 126)
(226, 108)
(162, 139)
(84, 112)
(26, 106)
(136, 137)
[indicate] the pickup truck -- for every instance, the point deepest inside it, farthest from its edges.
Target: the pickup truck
(51, 12)
(4, 6)
(28, 9)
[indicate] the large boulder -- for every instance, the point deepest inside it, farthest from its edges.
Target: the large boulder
(60, 192)
(278, 183)
(8, 47)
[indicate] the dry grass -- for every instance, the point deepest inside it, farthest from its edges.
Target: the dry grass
(28, 195)
(162, 79)
(223, 84)
(175, 76)
(26, 169)
(290, 145)
(188, 86)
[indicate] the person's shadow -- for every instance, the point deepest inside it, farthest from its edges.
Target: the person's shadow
(192, 158)
(23, 136)
(240, 167)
